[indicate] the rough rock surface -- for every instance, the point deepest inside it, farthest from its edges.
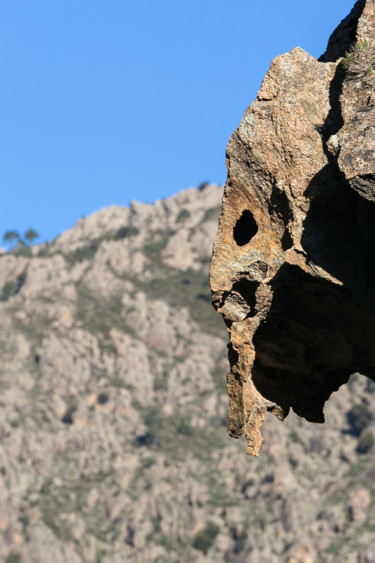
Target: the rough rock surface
(292, 270)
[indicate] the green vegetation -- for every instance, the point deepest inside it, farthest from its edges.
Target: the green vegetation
(203, 185)
(8, 291)
(126, 232)
(158, 242)
(99, 314)
(45, 249)
(88, 251)
(366, 442)
(11, 238)
(188, 288)
(183, 214)
(98, 554)
(12, 287)
(55, 502)
(240, 540)
(82, 253)
(184, 427)
(204, 539)
(31, 235)
(162, 431)
(25, 521)
(22, 250)
(359, 417)
(15, 241)
(350, 56)
(20, 245)
(13, 557)
(174, 435)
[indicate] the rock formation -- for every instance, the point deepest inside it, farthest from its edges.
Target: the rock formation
(292, 270)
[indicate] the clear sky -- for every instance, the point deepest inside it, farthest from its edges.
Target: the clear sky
(103, 102)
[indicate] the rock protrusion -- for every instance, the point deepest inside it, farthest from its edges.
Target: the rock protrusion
(292, 270)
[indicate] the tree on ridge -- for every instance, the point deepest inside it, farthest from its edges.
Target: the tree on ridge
(31, 235)
(11, 239)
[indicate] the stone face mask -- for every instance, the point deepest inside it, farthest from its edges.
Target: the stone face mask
(292, 271)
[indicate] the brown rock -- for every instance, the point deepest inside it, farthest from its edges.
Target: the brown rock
(303, 554)
(292, 270)
(360, 500)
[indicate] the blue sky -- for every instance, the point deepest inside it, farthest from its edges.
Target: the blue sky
(106, 102)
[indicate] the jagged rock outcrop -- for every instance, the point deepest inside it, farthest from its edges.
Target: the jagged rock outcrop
(292, 271)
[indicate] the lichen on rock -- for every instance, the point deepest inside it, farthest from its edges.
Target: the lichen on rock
(292, 270)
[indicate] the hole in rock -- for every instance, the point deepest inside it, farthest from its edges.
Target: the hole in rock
(245, 228)
(232, 354)
(247, 288)
(286, 241)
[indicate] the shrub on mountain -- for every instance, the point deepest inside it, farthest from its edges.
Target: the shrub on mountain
(125, 232)
(183, 214)
(359, 417)
(366, 442)
(204, 539)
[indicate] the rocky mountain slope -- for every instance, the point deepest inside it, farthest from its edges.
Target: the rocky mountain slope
(113, 412)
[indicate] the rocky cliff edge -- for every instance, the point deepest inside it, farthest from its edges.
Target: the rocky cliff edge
(292, 270)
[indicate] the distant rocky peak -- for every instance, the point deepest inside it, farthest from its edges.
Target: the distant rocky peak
(141, 217)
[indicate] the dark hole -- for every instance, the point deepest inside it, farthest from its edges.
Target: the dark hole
(102, 398)
(286, 241)
(245, 228)
(146, 439)
(68, 416)
(232, 355)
